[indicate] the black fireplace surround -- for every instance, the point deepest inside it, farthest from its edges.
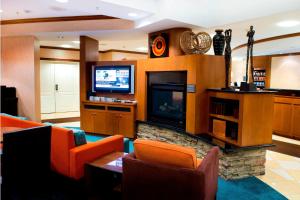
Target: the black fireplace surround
(167, 104)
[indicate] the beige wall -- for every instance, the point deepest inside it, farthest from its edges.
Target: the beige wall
(238, 70)
(20, 69)
(285, 72)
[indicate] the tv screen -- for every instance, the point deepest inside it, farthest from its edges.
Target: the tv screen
(113, 79)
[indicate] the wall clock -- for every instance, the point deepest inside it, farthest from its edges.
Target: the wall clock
(159, 45)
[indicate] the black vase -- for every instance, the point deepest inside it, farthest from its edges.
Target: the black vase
(219, 42)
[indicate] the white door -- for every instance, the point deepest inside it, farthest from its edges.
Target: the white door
(59, 87)
(67, 87)
(47, 87)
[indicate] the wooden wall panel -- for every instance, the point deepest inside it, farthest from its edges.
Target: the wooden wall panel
(59, 54)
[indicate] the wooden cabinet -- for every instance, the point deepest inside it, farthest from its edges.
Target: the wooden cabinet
(108, 118)
(287, 116)
(296, 121)
(241, 118)
(282, 111)
(87, 120)
(124, 127)
(98, 118)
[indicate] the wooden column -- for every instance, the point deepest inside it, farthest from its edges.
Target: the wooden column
(89, 52)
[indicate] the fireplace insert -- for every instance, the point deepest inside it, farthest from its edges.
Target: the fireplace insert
(167, 104)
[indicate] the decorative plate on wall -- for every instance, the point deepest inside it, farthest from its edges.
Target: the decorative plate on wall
(159, 45)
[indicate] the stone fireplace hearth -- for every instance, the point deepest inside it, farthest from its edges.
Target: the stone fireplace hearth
(236, 164)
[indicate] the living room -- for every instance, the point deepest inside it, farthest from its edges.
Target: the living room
(134, 100)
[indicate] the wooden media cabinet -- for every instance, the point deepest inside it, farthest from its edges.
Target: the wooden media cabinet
(109, 118)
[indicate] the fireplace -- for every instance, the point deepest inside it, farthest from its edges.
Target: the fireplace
(167, 104)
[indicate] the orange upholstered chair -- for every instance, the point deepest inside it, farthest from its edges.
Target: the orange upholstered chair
(66, 158)
(157, 170)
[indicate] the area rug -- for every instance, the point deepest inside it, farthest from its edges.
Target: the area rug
(243, 189)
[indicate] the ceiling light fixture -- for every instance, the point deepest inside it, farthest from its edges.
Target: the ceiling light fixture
(62, 1)
(76, 42)
(1, 11)
(288, 23)
(132, 14)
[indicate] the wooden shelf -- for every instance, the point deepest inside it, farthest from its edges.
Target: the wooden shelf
(225, 139)
(226, 118)
(252, 127)
(109, 103)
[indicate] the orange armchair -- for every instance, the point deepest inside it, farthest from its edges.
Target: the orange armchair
(66, 158)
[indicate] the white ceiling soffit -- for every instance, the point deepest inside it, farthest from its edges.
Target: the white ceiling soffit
(153, 15)
(287, 45)
(209, 13)
(66, 26)
(264, 27)
(20, 9)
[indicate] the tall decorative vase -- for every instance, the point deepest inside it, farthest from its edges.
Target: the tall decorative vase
(219, 42)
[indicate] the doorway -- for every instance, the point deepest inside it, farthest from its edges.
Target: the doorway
(59, 89)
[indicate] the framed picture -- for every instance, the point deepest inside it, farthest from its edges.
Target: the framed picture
(159, 45)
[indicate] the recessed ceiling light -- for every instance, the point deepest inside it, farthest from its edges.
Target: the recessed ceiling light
(1, 11)
(66, 46)
(288, 23)
(142, 49)
(76, 42)
(131, 14)
(62, 1)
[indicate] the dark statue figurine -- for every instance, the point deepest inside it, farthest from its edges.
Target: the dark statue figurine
(249, 85)
(250, 43)
(228, 34)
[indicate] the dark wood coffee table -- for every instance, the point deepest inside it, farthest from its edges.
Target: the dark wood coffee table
(103, 176)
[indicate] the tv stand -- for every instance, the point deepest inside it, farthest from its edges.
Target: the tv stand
(108, 118)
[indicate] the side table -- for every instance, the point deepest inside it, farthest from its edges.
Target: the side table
(103, 176)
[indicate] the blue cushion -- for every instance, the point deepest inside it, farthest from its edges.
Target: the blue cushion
(126, 145)
(79, 135)
(23, 118)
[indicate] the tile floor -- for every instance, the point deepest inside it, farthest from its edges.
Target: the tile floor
(283, 174)
(72, 124)
(46, 116)
(287, 140)
(282, 171)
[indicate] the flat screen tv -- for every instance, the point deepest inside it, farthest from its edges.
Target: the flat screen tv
(114, 79)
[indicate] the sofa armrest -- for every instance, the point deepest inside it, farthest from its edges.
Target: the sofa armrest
(210, 169)
(91, 151)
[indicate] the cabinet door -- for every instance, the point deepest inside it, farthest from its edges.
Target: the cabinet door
(296, 121)
(282, 119)
(111, 123)
(99, 122)
(87, 120)
(126, 125)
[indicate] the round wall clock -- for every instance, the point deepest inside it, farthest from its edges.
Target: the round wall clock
(159, 46)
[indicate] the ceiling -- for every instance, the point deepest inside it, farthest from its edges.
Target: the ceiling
(130, 32)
